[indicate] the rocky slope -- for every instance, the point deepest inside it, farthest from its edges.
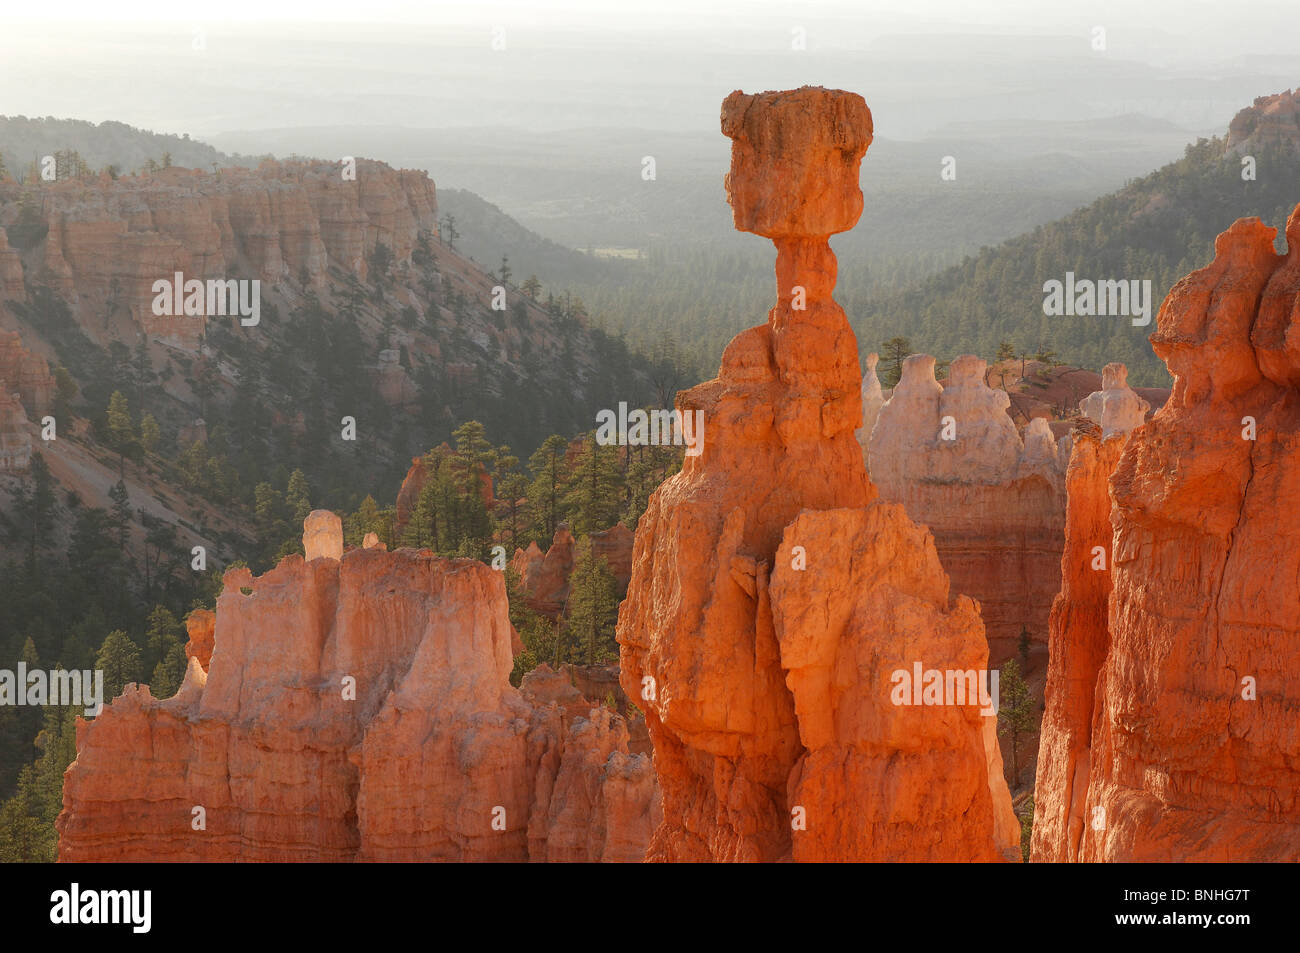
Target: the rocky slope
(1172, 726)
(355, 706)
(761, 653)
(364, 311)
(1156, 228)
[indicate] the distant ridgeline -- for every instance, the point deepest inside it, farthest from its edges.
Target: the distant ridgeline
(125, 149)
(1158, 229)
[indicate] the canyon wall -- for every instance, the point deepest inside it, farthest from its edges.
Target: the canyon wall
(354, 706)
(26, 387)
(771, 600)
(26, 374)
(1172, 728)
(994, 502)
(109, 240)
(15, 435)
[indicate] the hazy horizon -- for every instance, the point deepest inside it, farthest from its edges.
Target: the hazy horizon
(566, 66)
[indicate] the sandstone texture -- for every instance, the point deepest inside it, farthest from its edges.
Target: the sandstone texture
(1271, 119)
(873, 399)
(355, 708)
(1115, 408)
(322, 535)
(994, 500)
(736, 654)
(200, 626)
(11, 271)
(1172, 730)
(106, 245)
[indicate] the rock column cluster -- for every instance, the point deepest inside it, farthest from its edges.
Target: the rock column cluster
(355, 706)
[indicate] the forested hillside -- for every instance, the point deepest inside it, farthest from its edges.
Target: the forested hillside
(109, 145)
(1160, 227)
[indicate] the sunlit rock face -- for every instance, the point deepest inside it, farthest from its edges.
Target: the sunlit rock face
(751, 614)
(354, 707)
(1172, 728)
(994, 500)
(107, 241)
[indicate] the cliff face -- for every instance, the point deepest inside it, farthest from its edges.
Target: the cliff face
(994, 502)
(353, 708)
(106, 245)
(726, 640)
(1077, 645)
(26, 374)
(1193, 720)
(1271, 119)
(15, 435)
(11, 271)
(26, 387)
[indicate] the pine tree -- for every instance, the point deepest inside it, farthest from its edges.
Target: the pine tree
(120, 431)
(474, 460)
(121, 512)
(893, 352)
(149, 432)
(594, 497)
(163, 632)
(169, 673)
(142, 370)
(297, 497)
(369, 518)
(34, 503)
(1016, 712)
(546, 489)
(511, 488)
(119, 658)
(592, 608)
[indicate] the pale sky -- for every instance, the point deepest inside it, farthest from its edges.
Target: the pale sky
(649, 63)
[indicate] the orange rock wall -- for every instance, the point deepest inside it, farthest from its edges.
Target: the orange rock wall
(109, 242)
(1195, 724)
(355, 709)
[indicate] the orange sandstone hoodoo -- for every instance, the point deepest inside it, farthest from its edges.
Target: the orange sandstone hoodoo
(355, 706)
(1172, 728)
(772, 601)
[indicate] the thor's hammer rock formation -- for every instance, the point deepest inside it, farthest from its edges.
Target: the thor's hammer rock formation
(772, 602)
